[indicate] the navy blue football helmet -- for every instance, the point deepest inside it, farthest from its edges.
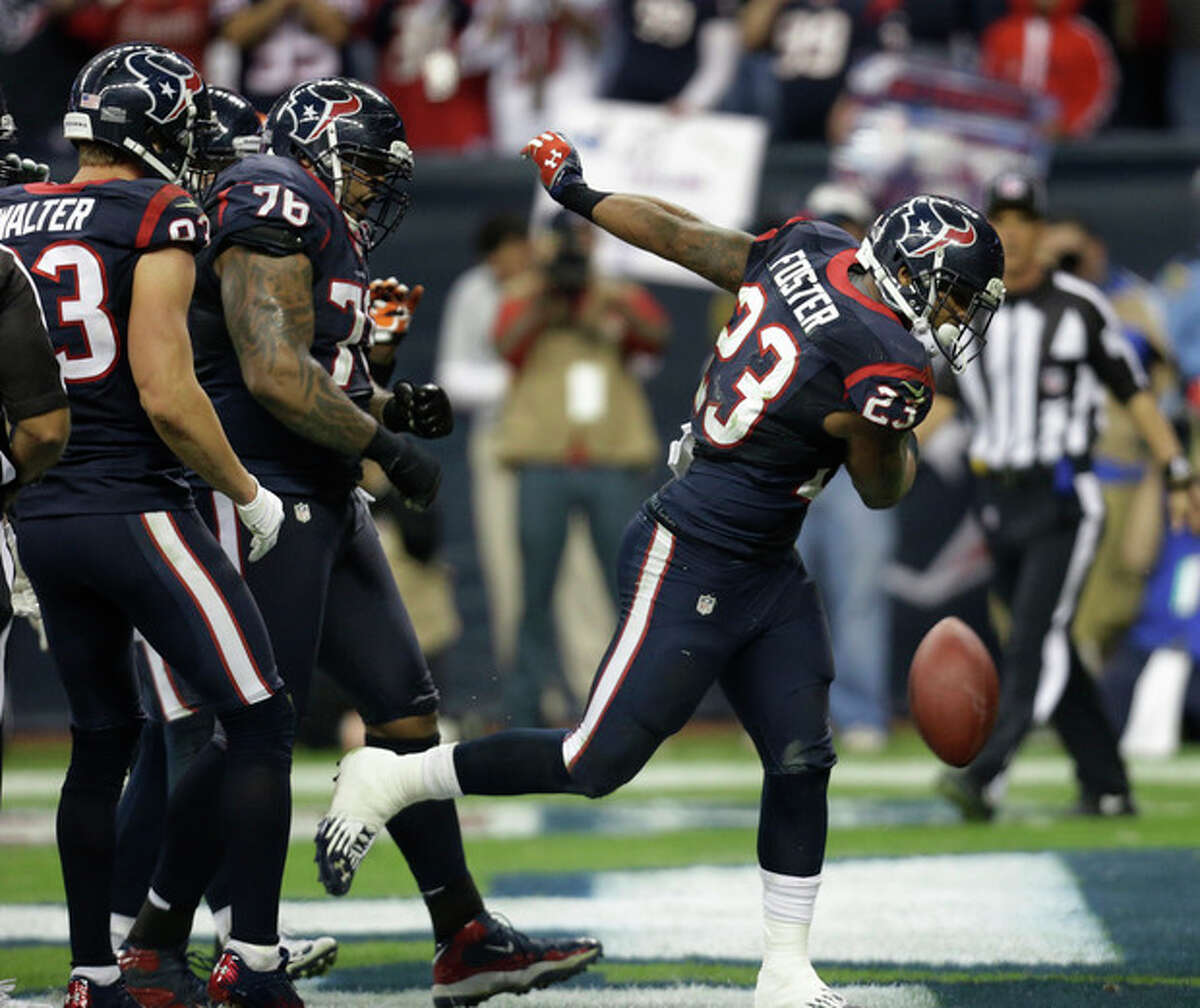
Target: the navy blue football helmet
(347, 132)
(952, 259)
(236, 132)
(145, 100)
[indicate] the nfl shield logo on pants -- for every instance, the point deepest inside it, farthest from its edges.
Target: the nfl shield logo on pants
(302, 512)
(706, 604)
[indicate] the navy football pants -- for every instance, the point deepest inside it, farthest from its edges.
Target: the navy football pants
(327, 594)
(98, 577)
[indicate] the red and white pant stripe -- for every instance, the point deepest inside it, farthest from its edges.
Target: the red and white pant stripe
(655, 563)
(226, 634)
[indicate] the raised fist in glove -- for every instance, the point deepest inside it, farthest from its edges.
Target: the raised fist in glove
(557, 162)
(391, 307)
(424, 410)
(262, 516)
(16, 170)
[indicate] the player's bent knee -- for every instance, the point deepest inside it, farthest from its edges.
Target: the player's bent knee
(262, 731)
(600, 778)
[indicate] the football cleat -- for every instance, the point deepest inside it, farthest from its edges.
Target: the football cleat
(371, 786)
(308, 957)
(960, 789)
(794, 985)
(161, 978)
(82, 993)
(489, 956)
(233, 982)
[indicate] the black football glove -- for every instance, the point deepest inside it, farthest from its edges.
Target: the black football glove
(16, 170)
(415, 475)
(424, 410)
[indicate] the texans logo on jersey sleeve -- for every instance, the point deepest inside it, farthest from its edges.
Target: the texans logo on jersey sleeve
(168, 80)
(931, 227)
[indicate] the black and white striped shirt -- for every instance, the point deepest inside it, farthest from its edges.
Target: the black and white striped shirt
(1036, 393)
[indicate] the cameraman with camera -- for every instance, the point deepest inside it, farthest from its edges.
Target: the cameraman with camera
(575, 426)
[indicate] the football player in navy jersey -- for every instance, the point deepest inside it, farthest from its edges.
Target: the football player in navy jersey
(824, 363)
(176, 728)
(110, 538)
(280, 332)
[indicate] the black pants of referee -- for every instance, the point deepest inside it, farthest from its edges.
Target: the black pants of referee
(1043, 535)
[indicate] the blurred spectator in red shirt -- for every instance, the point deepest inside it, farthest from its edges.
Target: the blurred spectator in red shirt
(1045, 46)
(285, 42)
(439, 86)
(543, 60)
(183, 25)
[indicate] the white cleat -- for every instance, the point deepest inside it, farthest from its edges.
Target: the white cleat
(794, 985)
(371, 786)
(308, 957)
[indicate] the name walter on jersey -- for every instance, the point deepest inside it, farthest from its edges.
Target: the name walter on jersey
(797, 282)
(64, 213)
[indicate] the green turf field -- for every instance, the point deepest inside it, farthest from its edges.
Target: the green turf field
(916, 910)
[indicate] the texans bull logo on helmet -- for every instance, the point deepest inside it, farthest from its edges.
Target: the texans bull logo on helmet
(931, 226)
(155, 71)
(314, 113)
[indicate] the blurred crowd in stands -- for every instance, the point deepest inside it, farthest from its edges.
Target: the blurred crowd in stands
(481, 75)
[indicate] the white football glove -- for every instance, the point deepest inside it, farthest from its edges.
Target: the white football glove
(262, 516)
(24, 598)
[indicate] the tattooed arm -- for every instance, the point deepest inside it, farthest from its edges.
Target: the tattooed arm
(268, 304)
(715, 253)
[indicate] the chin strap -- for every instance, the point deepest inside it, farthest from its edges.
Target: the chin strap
(889, 289)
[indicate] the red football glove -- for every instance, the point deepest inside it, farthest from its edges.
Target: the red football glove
(391, 309)
(557, 162)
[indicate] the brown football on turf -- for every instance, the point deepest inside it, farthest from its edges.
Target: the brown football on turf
(953, 691)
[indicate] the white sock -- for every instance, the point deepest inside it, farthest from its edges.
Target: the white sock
(262, 958)
(104, 976)
(438, 773)
(157, 901)
(223, 924)
(789, 898)
(119, 927)
(787, 914)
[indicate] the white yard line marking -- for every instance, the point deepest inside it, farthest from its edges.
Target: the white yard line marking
(991, 909)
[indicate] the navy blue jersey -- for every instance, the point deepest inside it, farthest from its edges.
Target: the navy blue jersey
(658, 46)
(272, 205)
(802, 343)
(81, 243)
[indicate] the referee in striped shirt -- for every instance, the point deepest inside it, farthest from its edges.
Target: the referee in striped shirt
(1035, 397)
